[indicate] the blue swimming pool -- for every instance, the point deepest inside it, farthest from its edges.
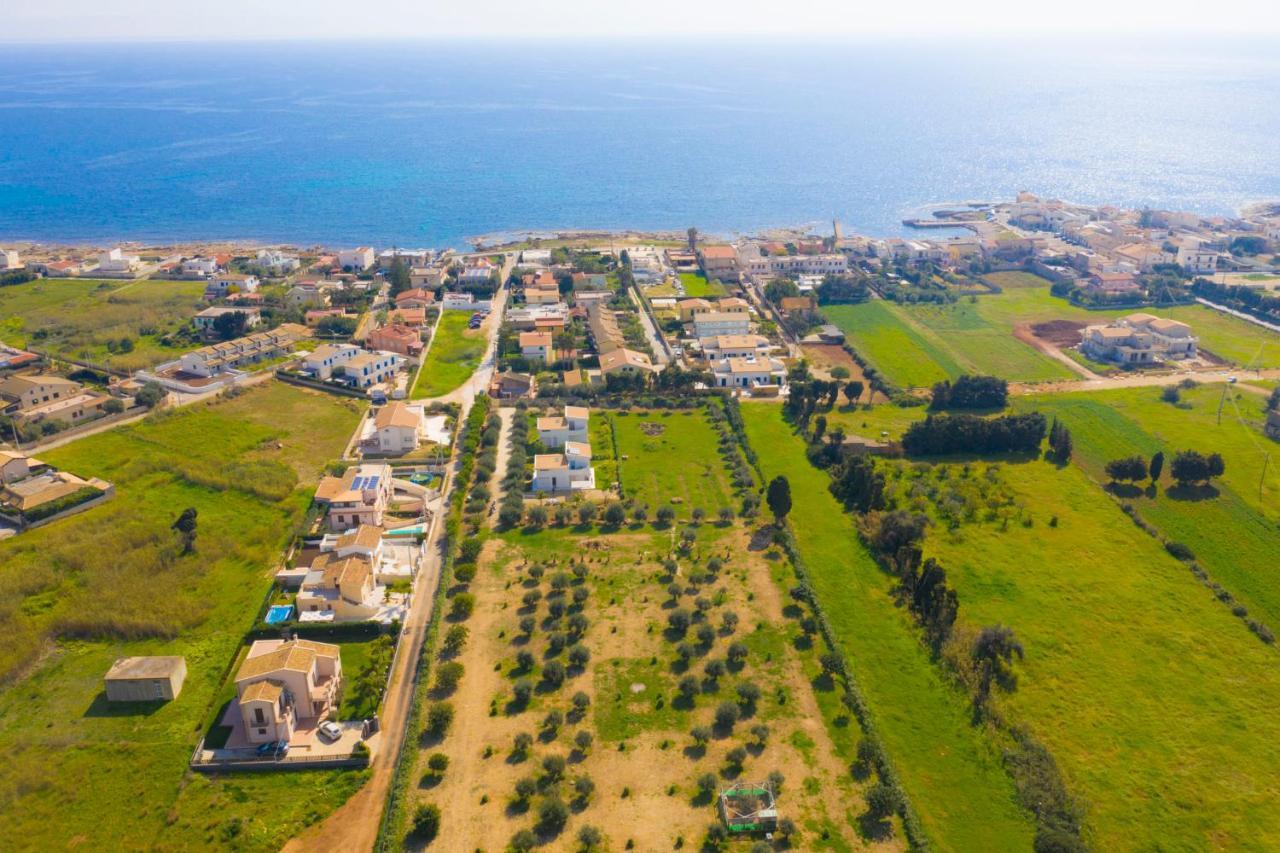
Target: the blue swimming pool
(279, 613)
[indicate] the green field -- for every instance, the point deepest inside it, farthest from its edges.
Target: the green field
(79, 593)
(917, 345)
(1232, 532)
(681, 461)
(75, 318)
(694, 284)
(1153, 698)
(454, 354)
(951, 772)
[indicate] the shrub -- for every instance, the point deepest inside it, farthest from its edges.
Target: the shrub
(448, 675)
(463, 605)
(552, 815)
(583, 786)
(525, 660)
(553, 766)
(689, 687)
(761, 733)
(523, 841)
(525, 787)
(552, 721)
(439, 718)
(578, 655)
(581, 701)
(679, 620)
(426, 822)
(737, 652)
(583, 740)
(438, 762)
(749, 693)
(586, 513)
(707, 783)
(523, 691)
(553, 673)
(455, 639)
(726, 714)
(521, 744)
(666, 515)
(736, 756)
(700, 734)
(882, 800)
(714, 669)
(589, 837)
(1180, 551)
(615, 515)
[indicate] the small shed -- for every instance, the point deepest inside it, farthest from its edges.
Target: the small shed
(146, 679)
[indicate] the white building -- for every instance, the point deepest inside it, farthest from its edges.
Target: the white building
(199, 267)
(1139, 339)
(535, 257)
(712, 324)
(1197, 260)
(537, 346)
(463, 302)
(764, 267)
(477, 271)
(115, 261)
(356, 260)
(735, 346)
(557, 431)
(324, 359)
(397, 428)
(564, 472)
(748, 372)
(277, 262)
(9, 259)
(371, 368)
(227, 283)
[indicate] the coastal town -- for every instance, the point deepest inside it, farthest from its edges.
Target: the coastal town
(514, 546)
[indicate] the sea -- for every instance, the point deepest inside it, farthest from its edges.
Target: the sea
(432, 143)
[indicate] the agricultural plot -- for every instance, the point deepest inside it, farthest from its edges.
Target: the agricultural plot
(112, 582)
(454, 354)
(671, 458)
(88, 320)
(917, 345)
(884, 422)
(1231, 527)
(950, 771)
(1120, 639)
(625, 679)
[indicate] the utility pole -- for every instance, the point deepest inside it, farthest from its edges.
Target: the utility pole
(1266, 459)
(1221, 402)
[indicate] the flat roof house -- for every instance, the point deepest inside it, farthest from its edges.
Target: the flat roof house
(715, 323)
(556, 431)
(719, 262)
(356, 260)
(564, 472)
(371, 368)
(340, 588)
(224, 284)
(149, 678)
(284, 685)
(324, 359)
(205, 320)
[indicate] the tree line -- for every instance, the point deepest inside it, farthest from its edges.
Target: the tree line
(939, 435)
(970, 392)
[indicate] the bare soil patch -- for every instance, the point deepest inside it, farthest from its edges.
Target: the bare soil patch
(1060, 333)
(652, 429)
(824, 357)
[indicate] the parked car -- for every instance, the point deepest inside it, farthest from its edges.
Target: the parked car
(275, 748)
(330, 731)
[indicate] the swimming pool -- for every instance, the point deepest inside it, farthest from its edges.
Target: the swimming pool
(279, 613)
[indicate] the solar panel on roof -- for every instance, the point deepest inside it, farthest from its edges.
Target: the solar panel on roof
(355, 484)
(371, 483)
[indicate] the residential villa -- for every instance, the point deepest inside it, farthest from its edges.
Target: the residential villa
(690, 309)
(27, 484)
(1113, 283)
(371, 368)
(322, 361)
(205, 320)
(414, 318)
(276, 262)
(541, 295)
(735, 346)
(415, 298)
(359, 496)
(433, 277)
(738, 372)
(356, 260)
(36, 398)
(625, 362)
(537, 346)
(564, 472)
(1138, 339)
(227, 283)
(719, 262)
(309, 294)
(397, 338)
(115, 262)
(557, 431)
(286, 685)
(477, 271)
(397, 429)
(765, 267)
(200, 267)
(340, 586)
(540, 318)
(715, 323)
(10, 260)
(510, 385)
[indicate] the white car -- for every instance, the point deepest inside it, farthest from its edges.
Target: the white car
(330, 730)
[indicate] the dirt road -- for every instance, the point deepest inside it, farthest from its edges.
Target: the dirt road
(1146, 380)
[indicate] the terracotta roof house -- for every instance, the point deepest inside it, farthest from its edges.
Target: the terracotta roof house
(282, 685)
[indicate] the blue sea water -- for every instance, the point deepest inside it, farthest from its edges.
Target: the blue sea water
(423, 143)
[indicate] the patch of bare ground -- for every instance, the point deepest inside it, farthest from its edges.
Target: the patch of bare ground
(824, 357)
(1060, 333)
(642, 761)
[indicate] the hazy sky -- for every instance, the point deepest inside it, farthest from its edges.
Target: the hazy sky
(123, 20)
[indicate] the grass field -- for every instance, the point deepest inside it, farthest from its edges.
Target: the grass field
(952, 774)
(455, 352)
(680, 461)
(1121, 640)
(641, 759)
(1232, 533)
(921, 344)
(75, 318)
(694, 284)
(81, 592)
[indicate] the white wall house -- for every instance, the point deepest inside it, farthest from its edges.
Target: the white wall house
(116, 261)
(557, 431)
(357, 260)
(715, 323)
(9, 259)
(324, 359)
(564, 472)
